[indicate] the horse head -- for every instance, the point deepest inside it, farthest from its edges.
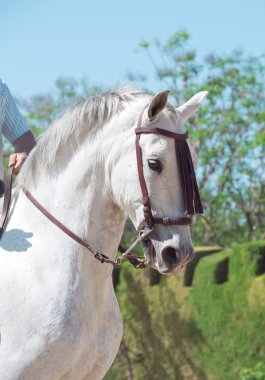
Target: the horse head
(169, 246)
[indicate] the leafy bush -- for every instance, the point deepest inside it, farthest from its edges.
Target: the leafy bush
(256, 373)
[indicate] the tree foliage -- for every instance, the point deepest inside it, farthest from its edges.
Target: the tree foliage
(228, 134)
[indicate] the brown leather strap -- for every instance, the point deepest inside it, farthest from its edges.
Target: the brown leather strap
(98, 255)
(146, 203)
(166, 221)
(148, 217)
(149, 220)
(134, 260)
(2, 188)
(159, 131)
(7, 201)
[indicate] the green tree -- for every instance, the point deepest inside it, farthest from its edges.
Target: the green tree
(228, 134)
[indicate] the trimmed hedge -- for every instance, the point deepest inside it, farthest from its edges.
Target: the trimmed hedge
(212, 330)
(230, 314)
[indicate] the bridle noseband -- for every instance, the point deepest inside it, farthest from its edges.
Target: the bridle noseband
(189, 189)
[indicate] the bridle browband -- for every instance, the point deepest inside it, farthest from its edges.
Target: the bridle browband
(188, 181)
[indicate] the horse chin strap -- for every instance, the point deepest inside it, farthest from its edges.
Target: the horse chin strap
(190, 192)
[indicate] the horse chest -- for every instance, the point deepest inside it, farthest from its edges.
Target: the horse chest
(97, 353)
(96, 342)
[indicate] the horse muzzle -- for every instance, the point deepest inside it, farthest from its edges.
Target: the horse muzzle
(167, 259)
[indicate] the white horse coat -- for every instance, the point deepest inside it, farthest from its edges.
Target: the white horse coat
(59, 317)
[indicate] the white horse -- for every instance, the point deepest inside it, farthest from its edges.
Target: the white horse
(59, 317)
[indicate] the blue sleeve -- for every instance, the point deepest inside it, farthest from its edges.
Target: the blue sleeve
(14, 125)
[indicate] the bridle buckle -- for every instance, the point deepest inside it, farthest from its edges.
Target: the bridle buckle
(166, 220)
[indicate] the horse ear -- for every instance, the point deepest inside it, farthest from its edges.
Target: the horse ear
(192, 105)
(157, 104)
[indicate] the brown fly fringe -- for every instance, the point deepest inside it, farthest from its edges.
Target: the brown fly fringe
(191, 195)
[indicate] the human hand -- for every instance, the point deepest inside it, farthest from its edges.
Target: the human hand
(16, 160)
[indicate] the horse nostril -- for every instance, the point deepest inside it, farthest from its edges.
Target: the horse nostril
(170, 256)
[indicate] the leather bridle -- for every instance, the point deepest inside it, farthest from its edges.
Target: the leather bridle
(146, 226)
(149, 220)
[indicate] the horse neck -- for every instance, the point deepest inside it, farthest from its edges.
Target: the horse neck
(78, 194)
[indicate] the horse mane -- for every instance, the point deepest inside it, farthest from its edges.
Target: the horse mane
(88, 114)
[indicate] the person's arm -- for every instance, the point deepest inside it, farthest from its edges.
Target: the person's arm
(17, 132)
(24, 143)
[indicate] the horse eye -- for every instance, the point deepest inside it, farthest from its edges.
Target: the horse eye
(155, 165)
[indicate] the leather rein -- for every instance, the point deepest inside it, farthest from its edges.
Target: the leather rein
(136, 261)
(145, 227)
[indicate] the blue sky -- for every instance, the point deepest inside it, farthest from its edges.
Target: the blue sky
(42, 40)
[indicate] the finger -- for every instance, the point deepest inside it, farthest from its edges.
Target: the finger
(12, 160)
(19, 162)
(20, 159)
